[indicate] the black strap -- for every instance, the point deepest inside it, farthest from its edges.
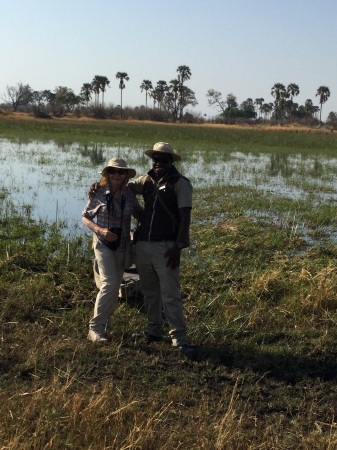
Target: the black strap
(167, 209)
(169, 212)
(109, 200)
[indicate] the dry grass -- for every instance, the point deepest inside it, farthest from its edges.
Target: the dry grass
(265, 378)
(294, 127)
(67, 413)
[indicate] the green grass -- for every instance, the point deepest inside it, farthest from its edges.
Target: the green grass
(260, 303)
(186, 137)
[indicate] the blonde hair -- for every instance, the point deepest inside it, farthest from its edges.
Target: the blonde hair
(104, 181)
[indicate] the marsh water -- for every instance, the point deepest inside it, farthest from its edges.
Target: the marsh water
(50, 180)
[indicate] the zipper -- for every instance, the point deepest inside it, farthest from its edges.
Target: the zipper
(157, 185)
(152, 217)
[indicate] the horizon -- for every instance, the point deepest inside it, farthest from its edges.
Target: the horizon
(243, 49)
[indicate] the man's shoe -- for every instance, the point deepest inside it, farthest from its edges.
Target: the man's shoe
(96, 338)
(147, 337)
(189, 351)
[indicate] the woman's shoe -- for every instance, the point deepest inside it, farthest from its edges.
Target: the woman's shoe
(93, 336)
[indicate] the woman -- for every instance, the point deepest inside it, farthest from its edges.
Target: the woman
(111, 206)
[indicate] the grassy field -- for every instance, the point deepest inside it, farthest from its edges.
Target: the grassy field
(260, 300)
(204, 137)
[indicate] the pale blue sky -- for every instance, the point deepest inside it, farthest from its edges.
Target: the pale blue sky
(242, 47)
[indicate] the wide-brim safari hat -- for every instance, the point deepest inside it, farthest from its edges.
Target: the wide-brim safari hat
(163, 147)
(119, 163)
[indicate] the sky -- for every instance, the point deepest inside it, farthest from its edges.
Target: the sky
(241, 47)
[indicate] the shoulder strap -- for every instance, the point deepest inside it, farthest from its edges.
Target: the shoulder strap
(167, 209)
(156, 192)
(109, 203)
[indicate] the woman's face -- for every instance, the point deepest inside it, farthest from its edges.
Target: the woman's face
(116, 177)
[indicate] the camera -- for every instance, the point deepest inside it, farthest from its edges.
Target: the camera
(115, 244)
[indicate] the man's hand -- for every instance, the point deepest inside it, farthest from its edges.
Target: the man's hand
(173, 257)
(92, 190)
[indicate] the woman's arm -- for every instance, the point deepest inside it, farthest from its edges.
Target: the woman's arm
(89, 223)
(103, 233)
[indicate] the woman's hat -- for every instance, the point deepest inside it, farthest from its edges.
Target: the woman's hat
(163, 147)
(119, 163)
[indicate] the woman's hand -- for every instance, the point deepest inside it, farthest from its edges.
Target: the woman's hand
(107, 235)
(92, 190)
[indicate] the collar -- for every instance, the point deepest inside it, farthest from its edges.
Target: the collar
(171, 173)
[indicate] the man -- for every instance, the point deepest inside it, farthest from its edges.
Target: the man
(162, 233)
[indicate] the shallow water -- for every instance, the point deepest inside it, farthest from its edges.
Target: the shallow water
(51, 180)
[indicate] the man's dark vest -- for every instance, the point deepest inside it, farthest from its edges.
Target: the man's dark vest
(158, 222)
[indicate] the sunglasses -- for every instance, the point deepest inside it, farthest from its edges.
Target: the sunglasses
(114, 171)
(161, 159)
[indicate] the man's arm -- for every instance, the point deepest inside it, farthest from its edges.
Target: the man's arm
(137, 185)
(173, 254)
(184, 226)
(137, 210)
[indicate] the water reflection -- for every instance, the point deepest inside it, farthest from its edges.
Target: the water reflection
(52, 179)
(94, 152)
(279, 164)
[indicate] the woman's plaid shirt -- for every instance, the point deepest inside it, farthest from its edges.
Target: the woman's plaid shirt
(97, 210)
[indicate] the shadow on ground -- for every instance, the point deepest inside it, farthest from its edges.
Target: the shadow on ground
(284, 366)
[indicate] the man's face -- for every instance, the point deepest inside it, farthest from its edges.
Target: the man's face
(161, 163)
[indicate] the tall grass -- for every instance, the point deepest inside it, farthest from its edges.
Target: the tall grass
(197, 137)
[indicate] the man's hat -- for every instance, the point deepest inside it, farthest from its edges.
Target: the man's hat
(163, 147)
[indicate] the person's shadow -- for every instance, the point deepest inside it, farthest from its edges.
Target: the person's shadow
(288, 366)
(284, 366)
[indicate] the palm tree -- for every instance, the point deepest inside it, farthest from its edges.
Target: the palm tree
(161, 88)
(174, 88)
(308, 106)
(122, 76)
(96, 88)
(310, 109)
(266, 109)
(323, 92)
(293, 90)
(279, 92)
(154, 95)
(86, 92)
(146, 86)
(259, 102)
(184, 75)
(104, 83)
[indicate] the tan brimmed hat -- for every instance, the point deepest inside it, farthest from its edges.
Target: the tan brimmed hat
(119, 163)
(163, 147)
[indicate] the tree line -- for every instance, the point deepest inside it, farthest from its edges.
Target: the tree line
(172, 98)
(284, 108)
(169, 101)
